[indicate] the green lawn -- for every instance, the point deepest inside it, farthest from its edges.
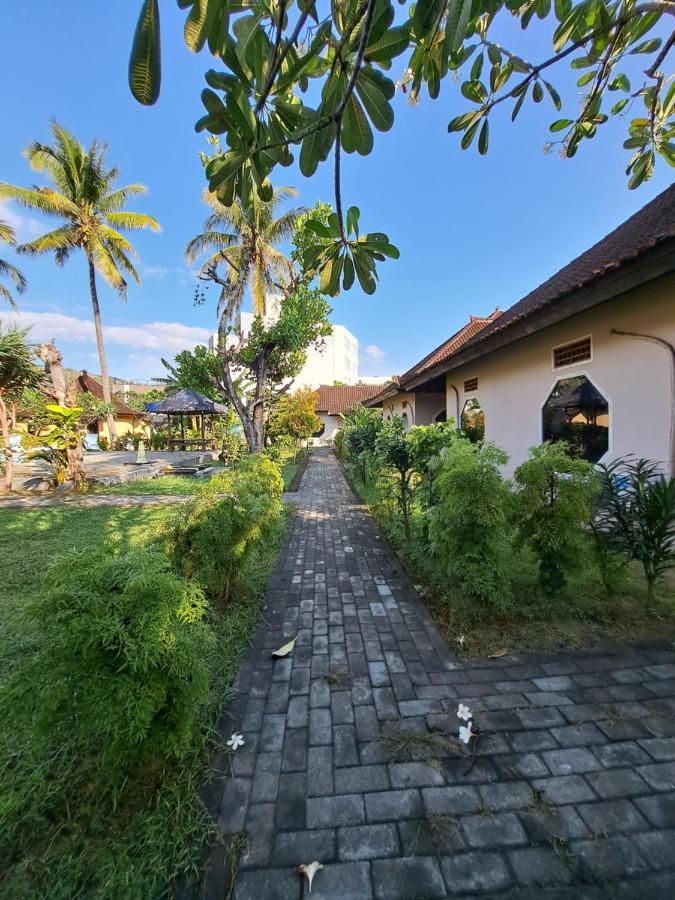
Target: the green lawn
(177, 485)
(81, 843)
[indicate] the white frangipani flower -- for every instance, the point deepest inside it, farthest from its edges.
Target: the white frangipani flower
(460, 640)
(465, 732)
(463, 712)
(237, 740)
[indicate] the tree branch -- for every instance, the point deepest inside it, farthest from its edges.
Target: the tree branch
(274, 71)
(338, 197)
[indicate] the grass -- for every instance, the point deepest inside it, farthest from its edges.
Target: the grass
(168, 485)
(583, 614)
(131, 844)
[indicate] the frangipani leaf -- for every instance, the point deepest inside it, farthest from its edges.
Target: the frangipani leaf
(145, 67)
(285, 650)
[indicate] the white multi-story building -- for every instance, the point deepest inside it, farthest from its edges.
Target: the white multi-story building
(334, 359)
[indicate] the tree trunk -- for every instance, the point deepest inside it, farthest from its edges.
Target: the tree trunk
(9, 455)
(236, 401)
(75, 469)
(52, 358)
(105, 378)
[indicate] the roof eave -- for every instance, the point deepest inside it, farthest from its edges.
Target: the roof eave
(631, 274)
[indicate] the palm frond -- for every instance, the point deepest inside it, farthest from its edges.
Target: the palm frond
(107, 266)
(116, 199)
(6, 295)
(209, 240)
(132, 221)
(7, 235)
(61, 238)
(44, 200)
(283, 227)
(16, 275)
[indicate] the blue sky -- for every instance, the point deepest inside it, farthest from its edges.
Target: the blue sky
(474, 232)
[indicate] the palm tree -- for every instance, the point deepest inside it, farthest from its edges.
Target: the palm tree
(83, 196)
(245, 240)
(7, 269)
(18, 371)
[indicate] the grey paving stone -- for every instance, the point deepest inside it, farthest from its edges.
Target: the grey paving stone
(608, 859)
(431, 836)
(612, 817)
(548, 698)
(259, 835)
(319, 693)
(553, 683)
(337, 881)
(294, 848)
(565, 789)
(360, 779)
(320, 727)
(623, 753)
(570, 762)
(486, 873)
(493, 830)
(454, 801)
(539, 866)
(267, 884)
(367, 723)
(658, 848)
(342, 711)
(507, 795)
(659, 809)
(661, 776)
(272, 734)
(660, 749)
(617, 783)
(582, 735)
(546, 717)
(266, 777)
(345, 809)
(320, 773)
(234, 805)
(544, 824)
(407, 879)
(291, 800)
(298, 712)
(363, 842)
(414, 774)
(391, 806)
(294, 757)
(345, 750)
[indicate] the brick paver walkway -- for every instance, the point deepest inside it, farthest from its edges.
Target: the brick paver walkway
(573, 791)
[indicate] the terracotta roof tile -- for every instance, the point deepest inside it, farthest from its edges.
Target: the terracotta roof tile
(337, 399)
(90, 385)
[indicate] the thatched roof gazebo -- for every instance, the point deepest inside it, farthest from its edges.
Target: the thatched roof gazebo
(194, 406)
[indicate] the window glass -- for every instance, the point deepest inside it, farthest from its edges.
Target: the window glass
(577, 413)
(442, 416)
(473, 420)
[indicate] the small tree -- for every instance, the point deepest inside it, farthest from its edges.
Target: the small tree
(360, 430)
(427, 441)
(63, 450)
(18, 372)
(395, 451)
(295, 416)
(469, 531)
(553, 506)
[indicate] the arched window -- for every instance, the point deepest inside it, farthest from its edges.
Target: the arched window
(406, 420)
(473, 420)
(577, 413)
(321, 430)
(442, 416)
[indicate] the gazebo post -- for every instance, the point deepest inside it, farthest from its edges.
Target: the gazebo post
(203, 435)
(182, 432)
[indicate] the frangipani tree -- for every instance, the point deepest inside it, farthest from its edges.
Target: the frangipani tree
(315, 76)
(82, 194)
(7, 269)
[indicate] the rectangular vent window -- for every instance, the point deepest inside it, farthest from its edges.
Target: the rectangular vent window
(568, 354)
(471, 384)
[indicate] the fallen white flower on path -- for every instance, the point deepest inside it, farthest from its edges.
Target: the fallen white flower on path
(237, 740)
(463, 712)
(309, 872)
(465, 733)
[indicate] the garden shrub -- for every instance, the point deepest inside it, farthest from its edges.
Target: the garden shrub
(217, 536)
(635, 516)
(394, 452)
(426, 442)
(120, 666)
(553, 505)
(469, 532)
(361, 429)
(339, 444)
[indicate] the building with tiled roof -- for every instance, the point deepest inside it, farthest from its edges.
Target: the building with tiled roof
(600, 334)
(335, 400)
(128, 422)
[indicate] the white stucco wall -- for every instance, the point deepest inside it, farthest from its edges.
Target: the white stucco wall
(421, 409)
(635, 375)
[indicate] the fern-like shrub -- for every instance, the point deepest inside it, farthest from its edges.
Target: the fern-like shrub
(217, 536)
(120, 665)
(469, 531)
(553, 506)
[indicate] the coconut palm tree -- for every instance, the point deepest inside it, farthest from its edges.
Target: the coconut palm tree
(245, 241)
(7, 269)
(82, 194)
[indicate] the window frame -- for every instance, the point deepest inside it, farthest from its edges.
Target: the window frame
(610, 411)
(580, 362)
(468, 399)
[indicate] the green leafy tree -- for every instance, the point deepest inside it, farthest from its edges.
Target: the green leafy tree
(394, 448)
(295, 416)
(359, 436)
(313, 76)
(7, 269)
(82, 194)
(243, 239)
(426, 442)
(63, 443)
(553, 505)
(18, 373)
(196, 370)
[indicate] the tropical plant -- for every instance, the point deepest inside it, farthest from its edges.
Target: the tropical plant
(7, 236)
(553, 505)
(18, 373)
(394, 449)
(295, 416)
(635, 515)
(83, 195)
(469, 532)
(63, 444)
(359, 435)
(312, 75)
(244, 239)
(426, 442)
